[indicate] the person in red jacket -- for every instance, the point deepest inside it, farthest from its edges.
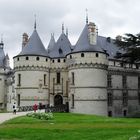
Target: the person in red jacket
(35, 107)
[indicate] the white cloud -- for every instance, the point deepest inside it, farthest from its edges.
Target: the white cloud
(112, 17)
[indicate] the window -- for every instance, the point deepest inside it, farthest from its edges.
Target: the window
(138, 81)
(124, 81)
(60, 51)
(109, 81)
(122, 64)
(53, 60)
(125, 98)
(72, 78)
(37, 58)
(114, 63)
(19, 80)
(27, 58)
(18, 59)
(137, 66)
(125, 113)
(110, 99)
(72, 104)
(18, 99)
(64, 60)
(46, 59)
(97, 55)
(58, 78)
(58, 60)
(139, 98)
(44, 79)
(67, 83)
(82, 54)
(109, 113)
(70, 56)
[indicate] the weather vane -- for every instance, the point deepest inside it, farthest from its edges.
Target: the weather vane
(86, 15)
(35, 22)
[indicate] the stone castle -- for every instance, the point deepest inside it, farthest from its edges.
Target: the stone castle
(87, 76)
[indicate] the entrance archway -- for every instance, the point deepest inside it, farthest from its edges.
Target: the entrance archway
(58, 100)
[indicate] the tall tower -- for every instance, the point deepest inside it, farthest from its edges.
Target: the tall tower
(87, 65)
(31, 68)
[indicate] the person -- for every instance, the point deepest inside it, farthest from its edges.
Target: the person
(40, 106)
(35, 107)
(14, 108)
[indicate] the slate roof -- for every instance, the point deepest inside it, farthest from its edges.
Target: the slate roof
(108, 45)
(83, 44)
(61, 47)
(51, 43)
(34, 46)
(104, 44)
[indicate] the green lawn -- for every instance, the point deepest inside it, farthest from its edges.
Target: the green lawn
(66, 126)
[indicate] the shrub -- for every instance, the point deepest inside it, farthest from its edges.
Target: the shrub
(42, 116)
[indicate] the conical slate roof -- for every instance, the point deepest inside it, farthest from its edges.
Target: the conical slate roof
(61, 48)
(83, 44)
(51, 43)
(34, 46)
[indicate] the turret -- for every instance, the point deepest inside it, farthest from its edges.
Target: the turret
(87, 65)
(7, 65)
(31, 63)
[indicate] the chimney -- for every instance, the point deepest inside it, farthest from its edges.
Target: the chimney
(24, 39)
(92, 33)
(119, 38)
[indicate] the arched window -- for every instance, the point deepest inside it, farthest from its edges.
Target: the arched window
(53, 60)
(46, 59)
(18, 59)
(64, 60)
(82, 55)
(70, 56)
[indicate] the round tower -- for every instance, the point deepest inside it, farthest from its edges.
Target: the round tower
(87, 66)
(31, 68)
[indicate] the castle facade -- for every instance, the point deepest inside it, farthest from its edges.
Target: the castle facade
(87, 76)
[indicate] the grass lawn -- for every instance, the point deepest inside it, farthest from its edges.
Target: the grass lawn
(67, 126)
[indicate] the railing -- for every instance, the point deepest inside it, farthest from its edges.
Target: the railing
(25, 108)
(59, 108)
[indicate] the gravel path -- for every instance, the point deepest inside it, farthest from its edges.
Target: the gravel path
(7, 116)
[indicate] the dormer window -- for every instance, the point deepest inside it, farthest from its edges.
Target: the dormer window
(60, 51)
(82, 55)
(37, 58)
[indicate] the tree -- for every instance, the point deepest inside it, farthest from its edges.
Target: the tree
(131, 45)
